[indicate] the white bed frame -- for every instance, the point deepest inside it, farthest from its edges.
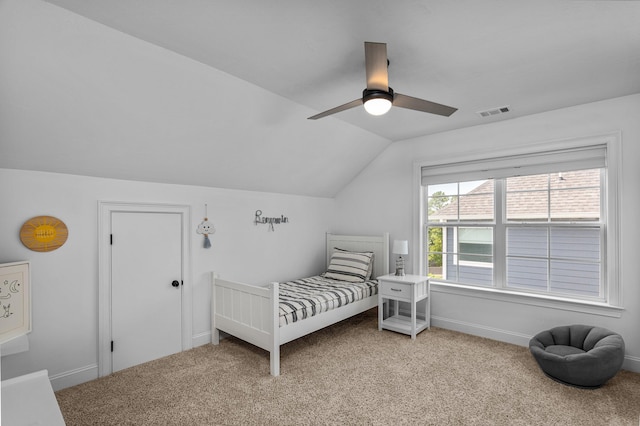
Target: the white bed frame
(251, 312)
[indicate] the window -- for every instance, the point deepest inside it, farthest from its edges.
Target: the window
(460, 242)
(487, 224)
(553, 233)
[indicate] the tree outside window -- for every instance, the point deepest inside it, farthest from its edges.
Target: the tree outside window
(437, 201)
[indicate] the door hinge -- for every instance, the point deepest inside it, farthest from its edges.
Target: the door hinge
(111, 239)
(112, 346)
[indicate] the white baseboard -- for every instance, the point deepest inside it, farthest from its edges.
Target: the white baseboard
(630, 363)
(201, 339)
(90, 372)
(74, 377)
(481, 331)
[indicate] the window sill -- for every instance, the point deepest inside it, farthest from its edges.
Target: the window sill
(551, 302)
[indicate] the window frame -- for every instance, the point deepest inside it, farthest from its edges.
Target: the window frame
(611, 262)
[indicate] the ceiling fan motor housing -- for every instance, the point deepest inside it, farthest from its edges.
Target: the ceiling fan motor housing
(368, 94)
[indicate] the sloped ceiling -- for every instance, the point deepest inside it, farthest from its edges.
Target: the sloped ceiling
(217, 93)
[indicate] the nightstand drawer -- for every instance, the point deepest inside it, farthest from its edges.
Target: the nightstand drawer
(395, 290)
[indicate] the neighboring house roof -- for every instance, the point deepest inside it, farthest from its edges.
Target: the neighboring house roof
(573, 195)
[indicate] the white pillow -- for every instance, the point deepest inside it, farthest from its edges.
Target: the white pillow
(350, 265)
(370, 269)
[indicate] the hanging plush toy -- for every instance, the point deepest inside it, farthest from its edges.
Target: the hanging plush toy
(206, 228)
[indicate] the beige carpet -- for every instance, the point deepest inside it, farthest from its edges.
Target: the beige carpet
(350, 373)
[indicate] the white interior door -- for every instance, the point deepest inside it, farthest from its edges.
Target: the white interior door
(146, 287)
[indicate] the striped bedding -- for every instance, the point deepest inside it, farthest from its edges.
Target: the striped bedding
(304, 298)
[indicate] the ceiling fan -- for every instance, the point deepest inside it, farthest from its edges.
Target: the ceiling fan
(378, 96)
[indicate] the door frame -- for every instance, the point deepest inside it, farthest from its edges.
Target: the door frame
(105, 209)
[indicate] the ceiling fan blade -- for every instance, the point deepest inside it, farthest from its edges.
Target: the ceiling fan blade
(346, 106)
(375, 56)
(404, 101)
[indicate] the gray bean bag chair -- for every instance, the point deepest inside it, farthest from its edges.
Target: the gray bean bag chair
(578, 355)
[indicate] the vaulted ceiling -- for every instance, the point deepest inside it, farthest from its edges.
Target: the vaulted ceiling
(217, 93)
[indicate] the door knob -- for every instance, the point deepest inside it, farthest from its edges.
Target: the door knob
(175, 283)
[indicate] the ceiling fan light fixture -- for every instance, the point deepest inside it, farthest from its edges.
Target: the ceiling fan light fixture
(378, 97)
(377, 102)
(377, 106)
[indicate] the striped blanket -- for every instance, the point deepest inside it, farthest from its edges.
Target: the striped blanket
(307, 297)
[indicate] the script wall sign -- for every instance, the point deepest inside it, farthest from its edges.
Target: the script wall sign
(271, 221)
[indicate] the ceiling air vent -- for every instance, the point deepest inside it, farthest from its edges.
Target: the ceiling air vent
(494, 111)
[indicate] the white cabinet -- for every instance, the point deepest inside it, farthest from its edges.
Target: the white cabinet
(412, 289)
(29, 400)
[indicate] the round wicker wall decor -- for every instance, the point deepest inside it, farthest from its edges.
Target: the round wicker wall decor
(43, 233)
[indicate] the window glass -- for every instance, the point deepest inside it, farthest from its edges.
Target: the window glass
(575, 278)
(575, 205)
(527, 206)
(527, 273)
(447, 189)
(477, 187)
(528, 183)
(550, 234)
(476, 207)
(575, 179)
(572, 196)
(527, 241)
(435, 251)
(461, 201)
(475, 244)
(576, 243)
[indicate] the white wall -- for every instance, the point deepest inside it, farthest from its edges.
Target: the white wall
(65, 281)
(384, 194)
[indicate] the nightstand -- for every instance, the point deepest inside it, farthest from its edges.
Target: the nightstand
(412, 289)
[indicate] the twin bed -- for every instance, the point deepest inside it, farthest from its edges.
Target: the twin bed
(273, 315)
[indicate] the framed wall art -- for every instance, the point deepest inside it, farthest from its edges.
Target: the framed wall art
(15, 300)
(43, 233)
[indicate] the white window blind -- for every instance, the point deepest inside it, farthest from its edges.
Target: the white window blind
(588, 157)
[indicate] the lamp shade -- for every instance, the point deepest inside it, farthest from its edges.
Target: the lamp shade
(400, 247)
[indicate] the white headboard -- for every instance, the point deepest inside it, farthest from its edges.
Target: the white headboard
(379, 245)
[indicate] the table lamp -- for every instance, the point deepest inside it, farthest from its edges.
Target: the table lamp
(400, 247)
